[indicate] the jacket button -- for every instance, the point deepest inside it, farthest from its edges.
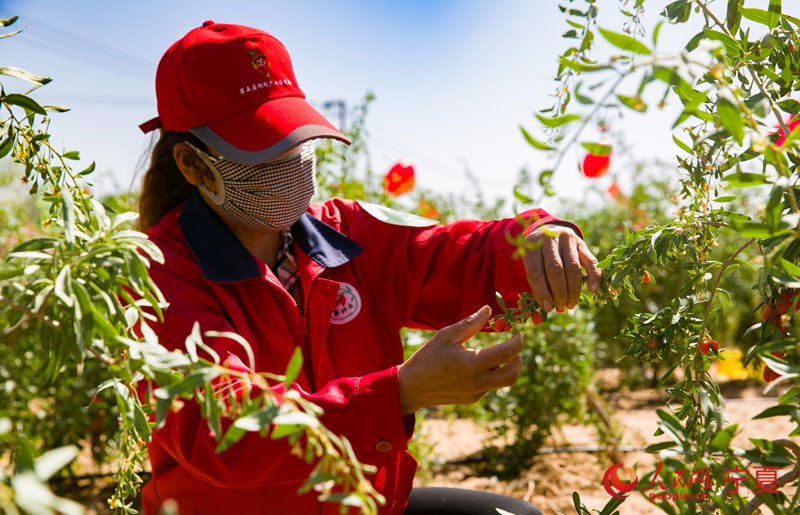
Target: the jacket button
(383, 446)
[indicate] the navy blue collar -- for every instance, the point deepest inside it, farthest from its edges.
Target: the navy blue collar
(223, 258)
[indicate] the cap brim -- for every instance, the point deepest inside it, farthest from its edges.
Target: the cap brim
(263, 132)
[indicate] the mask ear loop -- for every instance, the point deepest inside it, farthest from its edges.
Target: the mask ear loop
(219, 198)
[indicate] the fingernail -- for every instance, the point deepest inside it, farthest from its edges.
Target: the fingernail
(547, 305)
(561, 308)
(481, 312)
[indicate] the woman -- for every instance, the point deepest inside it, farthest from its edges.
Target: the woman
(227, 199)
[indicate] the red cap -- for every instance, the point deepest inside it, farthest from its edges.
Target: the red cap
(233, 87)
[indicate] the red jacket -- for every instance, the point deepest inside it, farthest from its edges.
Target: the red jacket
(363, 279)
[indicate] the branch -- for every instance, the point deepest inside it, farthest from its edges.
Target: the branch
(725, 265)
(782, 481)
(758, 82)
(29, 313)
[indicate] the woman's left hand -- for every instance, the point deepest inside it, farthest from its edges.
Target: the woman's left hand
(553, 265)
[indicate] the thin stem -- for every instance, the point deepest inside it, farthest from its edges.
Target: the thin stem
(30, 313)
(583, 124)
(713, 292)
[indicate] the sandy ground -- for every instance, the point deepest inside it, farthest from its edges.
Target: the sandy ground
(549, 484)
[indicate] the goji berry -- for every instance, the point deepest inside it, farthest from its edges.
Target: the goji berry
(703, 347)
(769, 374)
(536, 318)
(499, 325)
(646, 277)
(714, 344)
(653, 344)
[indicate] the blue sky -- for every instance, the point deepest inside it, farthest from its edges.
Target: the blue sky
(453, 79)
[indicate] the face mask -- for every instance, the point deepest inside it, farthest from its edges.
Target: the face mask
(267, 196)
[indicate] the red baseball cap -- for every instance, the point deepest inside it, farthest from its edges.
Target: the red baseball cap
(233, 87)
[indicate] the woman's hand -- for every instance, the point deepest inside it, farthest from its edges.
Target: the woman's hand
(553, 265)
(442, 371)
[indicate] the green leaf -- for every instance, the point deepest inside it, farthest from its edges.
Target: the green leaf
(11, 272)
(62, 287)
(732, 47)
(636, 103)
(756, 229)
(73, 155)
(8, 21)
(597, 149)
(521, 196)
(12, 71)
(54, 460)
(657, 31)
(68, 213)
(582, 67)
(777, 411)
(660, 446)
(731, 118)
(721, 440)
(23, 101)
(790, 267)
(55, 109)
(7, 144)
(745, 180)
(727, 198)
(625, 42)
(558, 121)
(532, 141)
(734, 16)
(294, 366)
(500, 301)
(789, 105)
(683, 146)
(770, 19)
(678, 11)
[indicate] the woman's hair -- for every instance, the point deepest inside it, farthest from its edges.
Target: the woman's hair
(163, 185)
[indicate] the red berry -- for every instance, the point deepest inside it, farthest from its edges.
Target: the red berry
(770, 375)
(498, 324)
(646, 277)
(653, 344)
(595, 166)
(703, 347)
(714, 344)
(536, 318)
(613, 291)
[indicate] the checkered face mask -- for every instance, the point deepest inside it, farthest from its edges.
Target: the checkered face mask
(267, 196)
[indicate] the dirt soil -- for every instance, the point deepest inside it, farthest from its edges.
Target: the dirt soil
(552, 479)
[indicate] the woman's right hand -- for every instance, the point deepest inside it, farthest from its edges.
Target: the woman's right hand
(444, 372)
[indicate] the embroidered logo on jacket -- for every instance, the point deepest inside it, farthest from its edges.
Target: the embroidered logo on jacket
(348, 304)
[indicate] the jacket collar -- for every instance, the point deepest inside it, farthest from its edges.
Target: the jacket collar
(223, 258)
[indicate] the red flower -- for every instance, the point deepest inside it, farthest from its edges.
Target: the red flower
(399, 179)
(791, 126)
(594, 166)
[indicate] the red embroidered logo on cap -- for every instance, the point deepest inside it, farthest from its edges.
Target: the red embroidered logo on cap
(260, 63)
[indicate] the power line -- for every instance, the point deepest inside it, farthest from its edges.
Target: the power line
(65, 44)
